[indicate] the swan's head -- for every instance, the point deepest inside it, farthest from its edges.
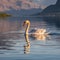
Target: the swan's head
(27, 22)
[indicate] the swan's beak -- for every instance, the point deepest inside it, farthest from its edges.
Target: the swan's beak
(24, 24)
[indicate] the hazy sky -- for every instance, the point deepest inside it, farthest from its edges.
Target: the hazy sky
(46, 2)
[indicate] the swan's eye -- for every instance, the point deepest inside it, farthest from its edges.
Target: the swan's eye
(24, 22)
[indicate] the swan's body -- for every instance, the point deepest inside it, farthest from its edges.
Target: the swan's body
(36, 32)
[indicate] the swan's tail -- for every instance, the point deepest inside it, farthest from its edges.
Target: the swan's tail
(53, 33)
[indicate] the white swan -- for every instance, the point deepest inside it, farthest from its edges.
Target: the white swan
(37, 32)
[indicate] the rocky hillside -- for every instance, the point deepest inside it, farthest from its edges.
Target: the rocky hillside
(52, 10)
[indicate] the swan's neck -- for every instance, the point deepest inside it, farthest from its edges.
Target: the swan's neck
(27, 29)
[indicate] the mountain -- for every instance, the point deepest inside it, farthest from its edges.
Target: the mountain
(19, 7)
(52, 10)
(58, 3)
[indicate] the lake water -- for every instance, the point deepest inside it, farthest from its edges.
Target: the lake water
(13, 45)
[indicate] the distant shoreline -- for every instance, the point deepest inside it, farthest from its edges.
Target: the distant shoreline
(3, 15)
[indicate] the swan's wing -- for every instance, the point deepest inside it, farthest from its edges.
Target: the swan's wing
(33, 30)
(38, 30)
(41, 30)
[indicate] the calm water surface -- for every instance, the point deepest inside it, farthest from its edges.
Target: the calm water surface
(13, 45)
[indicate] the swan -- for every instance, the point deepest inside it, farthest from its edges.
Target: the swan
(36, 32)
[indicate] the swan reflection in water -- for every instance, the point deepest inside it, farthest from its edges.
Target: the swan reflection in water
(41, 37)
(27, 46)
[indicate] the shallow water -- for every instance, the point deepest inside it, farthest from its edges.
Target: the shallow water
(13, 45)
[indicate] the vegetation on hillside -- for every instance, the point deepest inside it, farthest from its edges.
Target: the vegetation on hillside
(3, 15)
